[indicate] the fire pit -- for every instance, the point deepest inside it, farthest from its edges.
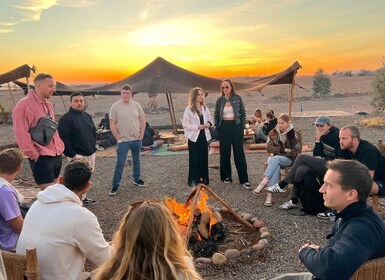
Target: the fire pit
(221, 232)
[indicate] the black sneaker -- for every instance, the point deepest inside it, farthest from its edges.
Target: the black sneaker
(112, 192)
(88, 202)
(227, 181)
(327, 214)
(139, 183)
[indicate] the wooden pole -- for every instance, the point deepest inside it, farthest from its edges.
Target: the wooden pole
(173, 118)
(12, 98)
(291, 93)
(239, 218)
(189, 227)
(32, 271)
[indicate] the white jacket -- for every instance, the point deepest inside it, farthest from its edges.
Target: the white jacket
(191, 123)
(64, 234)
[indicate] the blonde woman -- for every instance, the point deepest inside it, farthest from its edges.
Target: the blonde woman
(283, 146)
(148, 246)
(196, 124)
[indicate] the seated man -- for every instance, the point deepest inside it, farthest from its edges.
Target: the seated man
(326, 148)
(149, 138)
(357, 234)
(105, 122)
(11, 220)
(64, 232)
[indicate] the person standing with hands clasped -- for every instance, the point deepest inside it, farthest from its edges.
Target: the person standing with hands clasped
(127, 122)
(196, 123)
(230, 121)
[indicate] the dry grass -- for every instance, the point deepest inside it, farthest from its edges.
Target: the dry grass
(373, 122)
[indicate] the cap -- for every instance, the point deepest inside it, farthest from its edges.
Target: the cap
(322, 120)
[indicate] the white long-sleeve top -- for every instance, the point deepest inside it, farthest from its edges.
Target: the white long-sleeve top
(191, 123)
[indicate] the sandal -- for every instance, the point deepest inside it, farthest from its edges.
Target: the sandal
(268, 200)
(258, 190)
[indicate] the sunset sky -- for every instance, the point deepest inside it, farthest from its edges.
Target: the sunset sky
(107, 40)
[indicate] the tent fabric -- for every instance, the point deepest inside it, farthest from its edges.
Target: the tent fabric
(161, 76)
(23, 71)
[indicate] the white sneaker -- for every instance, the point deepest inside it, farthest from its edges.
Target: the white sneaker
(288, 205)
(275, 188)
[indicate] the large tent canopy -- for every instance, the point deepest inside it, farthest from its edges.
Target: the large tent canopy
(23, 71)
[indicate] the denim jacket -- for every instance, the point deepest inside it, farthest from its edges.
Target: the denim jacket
(238, 108)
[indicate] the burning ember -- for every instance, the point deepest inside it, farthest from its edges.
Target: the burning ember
(206, 227)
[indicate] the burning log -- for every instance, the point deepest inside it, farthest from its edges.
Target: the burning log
(204, 225)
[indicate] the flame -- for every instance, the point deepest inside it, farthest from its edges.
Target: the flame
(184, 212)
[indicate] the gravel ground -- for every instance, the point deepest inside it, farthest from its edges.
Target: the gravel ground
(167, 176)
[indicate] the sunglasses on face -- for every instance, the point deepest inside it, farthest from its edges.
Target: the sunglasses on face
(225, 87)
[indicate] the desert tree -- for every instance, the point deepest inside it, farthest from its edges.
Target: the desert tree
(378, 87)
(321, 84)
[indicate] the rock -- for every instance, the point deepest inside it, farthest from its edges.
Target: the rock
(253, 219)
(247, 252)
(258, 247)
(263, 229)
(263, 241)
(217, 216)
(218, 259)
(265, 234)
(258, 224)
(224, 210)
(217, 209)
(247, 217)
(241, 213)
(232, 254)
(203, 260)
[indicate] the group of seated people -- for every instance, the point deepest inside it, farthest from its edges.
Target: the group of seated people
(262, 125)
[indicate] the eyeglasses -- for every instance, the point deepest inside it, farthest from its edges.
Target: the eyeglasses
(319, 125)
(225, 87)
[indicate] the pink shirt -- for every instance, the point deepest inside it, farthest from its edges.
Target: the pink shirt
(26, 114)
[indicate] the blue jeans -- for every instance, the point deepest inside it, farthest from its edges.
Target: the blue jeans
(274, 167)
(121, 156)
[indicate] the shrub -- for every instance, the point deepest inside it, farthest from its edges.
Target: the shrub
(321, 84)
(378, 87)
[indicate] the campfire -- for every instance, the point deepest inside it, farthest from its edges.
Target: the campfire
(203, 227)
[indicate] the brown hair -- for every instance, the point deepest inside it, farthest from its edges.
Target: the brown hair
(354, 132)
(126, 87)
(42, 77)
(231, 84)
(10, 159)
(193, 99)
(284, 117)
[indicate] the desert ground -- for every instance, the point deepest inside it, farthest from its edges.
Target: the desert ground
(167, 175)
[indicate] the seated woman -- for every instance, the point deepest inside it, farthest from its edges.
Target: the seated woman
(148, 246)
(283, 146)
(263, 130)
(149, 140)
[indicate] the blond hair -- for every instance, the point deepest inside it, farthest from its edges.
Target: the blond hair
(147, 246)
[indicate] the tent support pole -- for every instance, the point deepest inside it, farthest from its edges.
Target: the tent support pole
(291, 93)
(172, 112)
(10, 93)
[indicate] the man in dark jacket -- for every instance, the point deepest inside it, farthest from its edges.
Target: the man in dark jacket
(77, 130)
(325, 148)
(357, 234)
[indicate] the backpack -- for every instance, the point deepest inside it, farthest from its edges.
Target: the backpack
(309, 195)
(44, 130)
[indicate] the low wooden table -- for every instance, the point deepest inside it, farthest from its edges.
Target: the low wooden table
(167, 138)
(249, 135)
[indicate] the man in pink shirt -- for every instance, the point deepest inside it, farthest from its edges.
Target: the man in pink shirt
(45, 161)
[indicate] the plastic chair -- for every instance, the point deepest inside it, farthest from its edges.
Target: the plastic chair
(19, 266)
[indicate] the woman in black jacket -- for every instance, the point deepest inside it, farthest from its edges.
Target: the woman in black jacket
(230, 121)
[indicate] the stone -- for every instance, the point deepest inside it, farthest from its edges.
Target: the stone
(241, 213)
(247, 217)
(263, 229)
(265, 234)
(258, 247)
(203, 260)
(232, 254)
(247, 252)
(224, 210)
(263, 241)
(258, 224)
(218, 259)
(253, 219)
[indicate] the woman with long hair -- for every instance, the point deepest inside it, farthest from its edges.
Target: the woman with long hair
(148, 246)
(196, 124)
(230, 121)
(283, 145)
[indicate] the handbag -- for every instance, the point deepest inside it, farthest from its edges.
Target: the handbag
(44, 130)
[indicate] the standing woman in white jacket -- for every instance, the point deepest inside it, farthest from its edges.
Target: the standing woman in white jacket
(196, 123)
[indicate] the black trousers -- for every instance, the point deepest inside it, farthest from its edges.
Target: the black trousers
(231, 135)
(198, 160)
